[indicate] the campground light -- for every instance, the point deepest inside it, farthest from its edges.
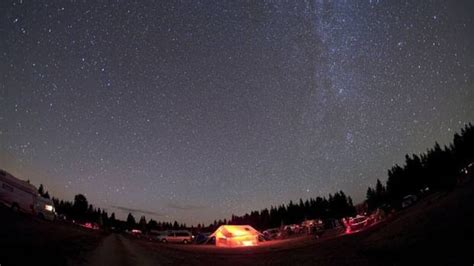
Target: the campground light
(49, 208)
(247, 243)
(88, 225)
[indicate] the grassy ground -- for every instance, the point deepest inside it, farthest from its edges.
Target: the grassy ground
(27, 240)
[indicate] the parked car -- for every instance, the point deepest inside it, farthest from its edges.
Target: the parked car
(292, 229)
(154, 234)
(356, 224)
(313, 227)
(468, 169)
(201, 238)
(44, 208)
(466, 173)
(136, 233)
(89, 225)
(273, 233)
(179, 236)
(408, 200)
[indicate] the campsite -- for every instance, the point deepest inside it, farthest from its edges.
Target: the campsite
(421, 234)
(223, 132)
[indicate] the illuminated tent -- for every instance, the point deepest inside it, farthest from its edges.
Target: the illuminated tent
(236, 236)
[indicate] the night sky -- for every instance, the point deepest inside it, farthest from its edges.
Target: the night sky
(194, 110)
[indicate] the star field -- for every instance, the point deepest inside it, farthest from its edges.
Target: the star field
(194, 110)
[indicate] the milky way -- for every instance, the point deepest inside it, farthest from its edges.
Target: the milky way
(195, 110)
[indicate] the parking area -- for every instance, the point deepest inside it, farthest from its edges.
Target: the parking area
(421, 234)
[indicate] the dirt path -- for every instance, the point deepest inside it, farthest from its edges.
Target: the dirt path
(119, 251)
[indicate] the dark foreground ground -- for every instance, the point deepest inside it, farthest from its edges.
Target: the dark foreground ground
(27, 240)
(439, 230)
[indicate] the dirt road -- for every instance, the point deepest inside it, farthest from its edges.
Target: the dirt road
(119, 251)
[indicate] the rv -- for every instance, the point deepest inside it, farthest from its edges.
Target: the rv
(17, 194)
(22, 196)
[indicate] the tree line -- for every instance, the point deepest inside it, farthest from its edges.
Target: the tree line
(437, 169)
(81, 211)
(333, 207)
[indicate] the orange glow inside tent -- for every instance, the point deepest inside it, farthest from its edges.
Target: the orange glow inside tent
(236, 236)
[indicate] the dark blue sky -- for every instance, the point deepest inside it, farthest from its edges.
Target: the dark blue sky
(194, 110)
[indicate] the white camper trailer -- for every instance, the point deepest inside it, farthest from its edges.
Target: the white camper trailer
(17, 194)
(22, 196)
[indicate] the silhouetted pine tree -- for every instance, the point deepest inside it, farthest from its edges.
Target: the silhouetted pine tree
(131, 223)
(437, 169)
